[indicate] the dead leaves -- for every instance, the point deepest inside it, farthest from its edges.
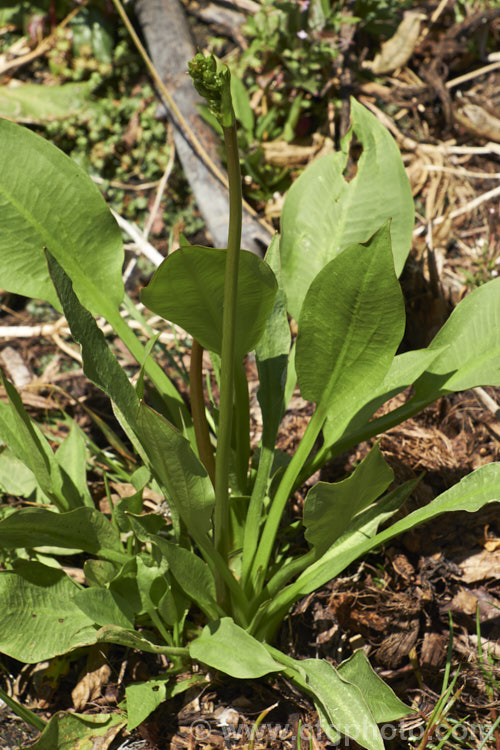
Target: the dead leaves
(94, 679)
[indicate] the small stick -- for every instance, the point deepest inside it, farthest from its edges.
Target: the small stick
(472, 74)
(200, 423)
(135, 233)
(462, 172)
(463, 209)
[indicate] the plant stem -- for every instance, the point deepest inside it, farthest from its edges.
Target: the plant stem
(253, 520)
(242, 426)
(377, 426)
(198, 410)
(265, 548)
(223, 453)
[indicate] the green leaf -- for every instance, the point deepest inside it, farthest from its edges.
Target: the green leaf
(329, 508)
(99, 363)
(470, 494)
(225, 646)
(105, 607)
(47, 201)
(82, 529)
(144, 697)
(30, 446)
(32, 103)
(191, 573)
(89, 28)
(272, 355)
(79, 732)
(71, 457)
(101, 366)
(177, 469)
(15, 477)
(39, 617)
(188, 289)
(471, 336)
(344, 551)
(242, 108)
(351, 323)
(341, 704)
(99, 572)
(323, 213)
(405, 369)
(382, 701)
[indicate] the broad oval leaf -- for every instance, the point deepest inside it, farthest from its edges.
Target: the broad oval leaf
(225, 646)
(188, 289)
(46, 200)
(350, 326)
(39, 617)
(323, 213)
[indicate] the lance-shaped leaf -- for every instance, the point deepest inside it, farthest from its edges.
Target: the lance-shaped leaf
(30, 446)
(470, 494)
(178, 470)
(382, 701)
(47, 201)
(99, 363)
(83, 529)
(32, 103)
(341, 705)
(351, 323)
(324, 213)
(191, 573)
(329, 507)
(188, 289)
(84, 732)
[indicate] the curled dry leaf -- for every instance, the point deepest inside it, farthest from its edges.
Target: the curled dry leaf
(96, 676)
(399, 48)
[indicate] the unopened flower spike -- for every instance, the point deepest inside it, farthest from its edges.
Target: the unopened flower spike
(212, 80)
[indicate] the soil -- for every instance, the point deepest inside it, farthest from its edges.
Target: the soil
(398, 603)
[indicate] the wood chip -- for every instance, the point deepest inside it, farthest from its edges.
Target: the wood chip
(15, 366)
(483, 565)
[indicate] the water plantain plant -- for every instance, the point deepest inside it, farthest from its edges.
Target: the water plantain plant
(227, 551)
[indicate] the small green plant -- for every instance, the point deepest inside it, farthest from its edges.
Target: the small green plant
(96, 106)
(226, 548)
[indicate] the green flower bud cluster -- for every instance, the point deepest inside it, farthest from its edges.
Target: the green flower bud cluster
(212, 81)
